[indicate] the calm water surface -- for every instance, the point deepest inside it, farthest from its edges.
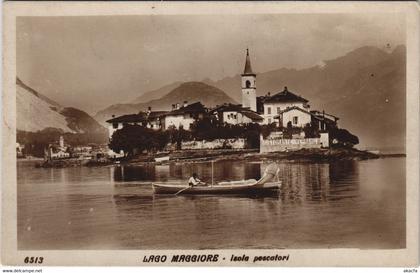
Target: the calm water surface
(347, 204)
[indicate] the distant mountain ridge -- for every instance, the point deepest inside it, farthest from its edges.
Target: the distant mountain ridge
(36, 112)
(156, 93)
(365, 88)
(188, 91)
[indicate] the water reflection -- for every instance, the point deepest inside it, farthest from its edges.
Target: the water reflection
(340, 204)
(300, 182)
(343, 180)
(218, 171)
(135, 173)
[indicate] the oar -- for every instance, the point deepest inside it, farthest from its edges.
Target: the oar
(182, 190)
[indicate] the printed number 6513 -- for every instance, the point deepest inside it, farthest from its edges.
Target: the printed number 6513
(33, 260)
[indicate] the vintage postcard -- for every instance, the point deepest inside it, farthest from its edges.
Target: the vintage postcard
(210, 134)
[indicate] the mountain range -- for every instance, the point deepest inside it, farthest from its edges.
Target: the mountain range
(180, 92)
(365, 88)
(37, 113)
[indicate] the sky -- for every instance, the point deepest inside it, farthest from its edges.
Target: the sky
(93, 62)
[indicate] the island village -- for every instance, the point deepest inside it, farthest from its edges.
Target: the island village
(273, 124)
(293, 125)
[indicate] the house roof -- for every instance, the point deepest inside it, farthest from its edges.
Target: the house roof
(140, 117)
(196, 107)
(284, 96)
(228, 107)
(323, 114)
(294, 108)
(252, 115)
(156, 114)
(248, 68)
(129, 118)
(314, 114)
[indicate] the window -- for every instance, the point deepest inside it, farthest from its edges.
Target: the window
(295, 120)
(248, 84)
(278, 110)
(269, 110)
(115, 125)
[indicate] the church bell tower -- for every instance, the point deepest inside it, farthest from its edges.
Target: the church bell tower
(249, 88)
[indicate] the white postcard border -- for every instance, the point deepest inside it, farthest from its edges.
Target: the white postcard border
(298, 257)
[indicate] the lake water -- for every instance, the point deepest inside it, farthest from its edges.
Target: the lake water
(348, 204)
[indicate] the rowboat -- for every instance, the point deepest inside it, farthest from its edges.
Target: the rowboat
(252, 186)
(216, 189)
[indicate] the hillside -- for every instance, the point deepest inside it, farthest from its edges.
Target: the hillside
(188, 91)
(372, 103)
(34, 113)
(35, 93)
(37, 113)
(156, 93)
(81, 122)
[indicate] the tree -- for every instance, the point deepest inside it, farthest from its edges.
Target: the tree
(267, 129)
(311, 131)
(210, 129)
(344, 137)
(135, 138)
(178, 135)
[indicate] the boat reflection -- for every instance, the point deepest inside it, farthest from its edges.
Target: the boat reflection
(300, 182)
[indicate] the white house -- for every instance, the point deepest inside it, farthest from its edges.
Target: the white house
(274, 105)
(184, 116)
(236, 114)
(297, 117)
(294, 116)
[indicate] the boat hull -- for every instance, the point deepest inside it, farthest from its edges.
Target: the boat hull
(216, 189)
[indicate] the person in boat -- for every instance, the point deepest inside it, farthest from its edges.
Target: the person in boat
(195, 181)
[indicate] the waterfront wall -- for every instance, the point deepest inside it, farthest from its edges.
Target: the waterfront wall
(215, 144)
(276, 144)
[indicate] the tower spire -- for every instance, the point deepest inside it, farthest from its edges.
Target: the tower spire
(248, 79)
(248, 68)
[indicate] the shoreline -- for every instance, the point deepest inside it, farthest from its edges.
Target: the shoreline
(197, 156)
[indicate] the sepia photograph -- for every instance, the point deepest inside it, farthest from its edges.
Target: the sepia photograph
(197, 133)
